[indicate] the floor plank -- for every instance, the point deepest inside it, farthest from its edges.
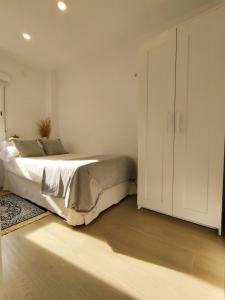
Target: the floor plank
(124, 254)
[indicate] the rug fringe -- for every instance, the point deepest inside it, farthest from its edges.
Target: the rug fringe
(24, 223)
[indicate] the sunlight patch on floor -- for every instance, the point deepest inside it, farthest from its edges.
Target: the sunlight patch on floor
(141, 279)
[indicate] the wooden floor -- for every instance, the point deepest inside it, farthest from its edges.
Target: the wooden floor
(124, 254)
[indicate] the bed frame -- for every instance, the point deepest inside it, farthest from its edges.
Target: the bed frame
(32, 191)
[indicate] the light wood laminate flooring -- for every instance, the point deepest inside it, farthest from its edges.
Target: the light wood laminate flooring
(124, 254)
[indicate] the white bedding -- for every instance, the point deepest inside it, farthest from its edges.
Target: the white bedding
(32, 168)
(31, 190)
(24, 178)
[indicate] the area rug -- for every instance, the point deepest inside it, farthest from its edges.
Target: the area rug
(16, 212)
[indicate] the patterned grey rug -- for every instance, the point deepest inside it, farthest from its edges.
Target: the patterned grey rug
(16, 212)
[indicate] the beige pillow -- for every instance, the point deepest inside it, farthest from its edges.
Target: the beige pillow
(53, 147)
(28, 148)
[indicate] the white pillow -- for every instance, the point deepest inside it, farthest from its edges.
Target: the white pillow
(7, 151)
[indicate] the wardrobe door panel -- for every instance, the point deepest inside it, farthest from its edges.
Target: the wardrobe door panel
(200, 119)
(156, 169)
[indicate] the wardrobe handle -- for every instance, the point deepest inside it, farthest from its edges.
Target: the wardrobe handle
(178, 122)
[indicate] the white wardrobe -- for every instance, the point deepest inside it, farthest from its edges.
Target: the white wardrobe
(182, 121)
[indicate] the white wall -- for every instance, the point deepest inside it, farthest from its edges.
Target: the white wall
(51, 104)
(97, 106)
(25, 97)
(1, 174)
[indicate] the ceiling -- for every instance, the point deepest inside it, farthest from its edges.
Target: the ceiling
(85, 31)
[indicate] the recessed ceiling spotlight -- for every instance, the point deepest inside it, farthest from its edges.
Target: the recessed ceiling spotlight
(26, 36)
(62, 5)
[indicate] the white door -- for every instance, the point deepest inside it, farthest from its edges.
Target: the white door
(157, 125)
(200, 119)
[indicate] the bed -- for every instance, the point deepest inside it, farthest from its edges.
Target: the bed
(75, 187)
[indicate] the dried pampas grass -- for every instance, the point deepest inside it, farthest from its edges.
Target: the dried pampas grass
(44, 128)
